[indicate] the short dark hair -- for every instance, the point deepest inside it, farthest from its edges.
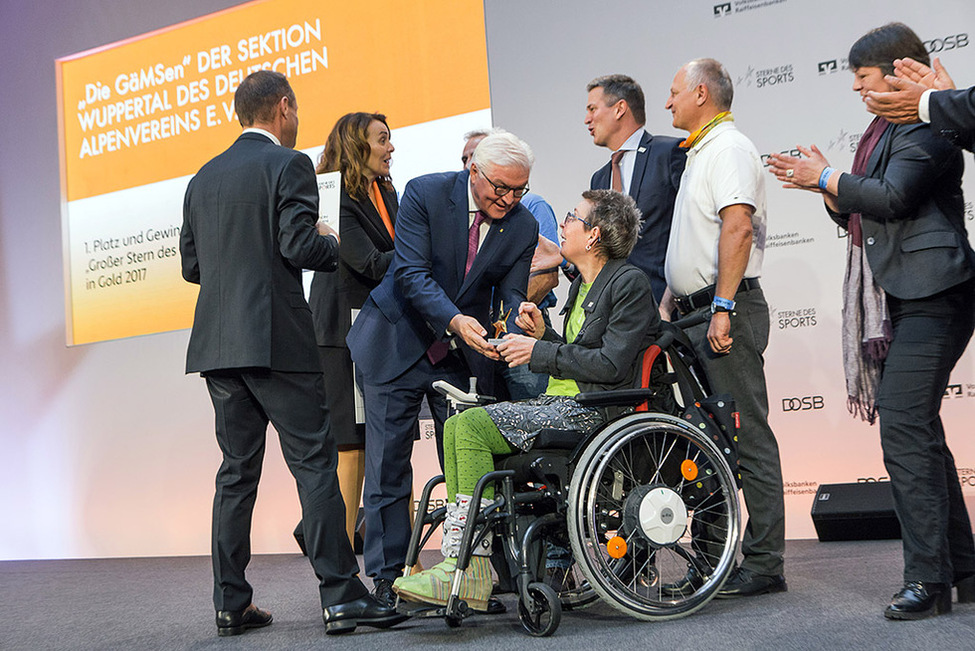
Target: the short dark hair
(258, 94)
(879, 47)
(618, 220)
(622, 87)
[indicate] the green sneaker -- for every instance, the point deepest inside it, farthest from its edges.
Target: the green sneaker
(432, 586)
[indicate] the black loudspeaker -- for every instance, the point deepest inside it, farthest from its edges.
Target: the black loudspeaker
(861, 511)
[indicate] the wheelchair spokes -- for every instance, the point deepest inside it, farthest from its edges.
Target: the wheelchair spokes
(653, 516)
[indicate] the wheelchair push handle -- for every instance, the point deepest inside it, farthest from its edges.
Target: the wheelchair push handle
(694, 319)
(460, 398)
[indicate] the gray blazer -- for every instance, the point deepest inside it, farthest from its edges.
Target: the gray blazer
(913, 212)
(621, 321)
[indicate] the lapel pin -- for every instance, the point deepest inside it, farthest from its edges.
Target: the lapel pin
(642, 149)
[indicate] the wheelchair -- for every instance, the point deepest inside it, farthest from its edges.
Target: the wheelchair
(647, 503)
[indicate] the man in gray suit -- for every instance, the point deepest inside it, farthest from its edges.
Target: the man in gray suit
(249, 228)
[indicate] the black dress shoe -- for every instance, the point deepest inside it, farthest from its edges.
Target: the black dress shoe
(745, 583)
(966, 589)
(495, 607)
(917, 600)
(367, 611)
(235, 622)
(382, 590)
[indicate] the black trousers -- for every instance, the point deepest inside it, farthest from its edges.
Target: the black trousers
(930, 334)
(244, 402)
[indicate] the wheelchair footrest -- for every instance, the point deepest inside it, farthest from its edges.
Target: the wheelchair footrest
(423, 611)
(413, 609)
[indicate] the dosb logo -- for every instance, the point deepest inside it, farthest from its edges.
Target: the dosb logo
(722, 9)
(803, 404)
(946, 43)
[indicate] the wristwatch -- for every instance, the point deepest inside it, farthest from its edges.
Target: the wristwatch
(719, 304)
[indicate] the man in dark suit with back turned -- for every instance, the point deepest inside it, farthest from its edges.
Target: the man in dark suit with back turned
(249, 228)
(924, 94)
(461, 237)
(646, 167)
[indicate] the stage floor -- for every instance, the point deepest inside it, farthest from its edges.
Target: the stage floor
(836, 596)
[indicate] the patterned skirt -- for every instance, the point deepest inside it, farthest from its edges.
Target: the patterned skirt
(521, 421)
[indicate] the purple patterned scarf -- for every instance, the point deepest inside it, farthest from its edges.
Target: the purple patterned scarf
(867, 329)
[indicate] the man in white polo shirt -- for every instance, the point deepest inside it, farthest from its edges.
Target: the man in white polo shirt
(713, 264)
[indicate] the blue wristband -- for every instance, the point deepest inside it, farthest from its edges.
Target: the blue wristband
(723, 303)
(824, 177)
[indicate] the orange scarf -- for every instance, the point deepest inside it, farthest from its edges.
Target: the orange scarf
(381, 207)
(695, 137)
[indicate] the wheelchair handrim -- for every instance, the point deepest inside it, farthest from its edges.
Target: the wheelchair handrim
(643, 600)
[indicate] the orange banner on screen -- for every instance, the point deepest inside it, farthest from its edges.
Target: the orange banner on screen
(140, 116)
(159, 105)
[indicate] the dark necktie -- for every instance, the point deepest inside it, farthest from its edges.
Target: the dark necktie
(473, 237)
(438, 349)
(617, 174)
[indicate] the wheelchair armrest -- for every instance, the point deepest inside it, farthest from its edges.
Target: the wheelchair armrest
(616, 398)
(467, 399)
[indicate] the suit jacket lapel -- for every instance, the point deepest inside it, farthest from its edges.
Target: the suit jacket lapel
(375, 222)
(880, 153)
(640, 165)
(492, 241)
(569, 302)
(601, 178)
(458, 210)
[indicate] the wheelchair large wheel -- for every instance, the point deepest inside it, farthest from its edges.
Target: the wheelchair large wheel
(653, 516)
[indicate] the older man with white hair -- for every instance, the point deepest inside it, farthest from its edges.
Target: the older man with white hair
(461, 238)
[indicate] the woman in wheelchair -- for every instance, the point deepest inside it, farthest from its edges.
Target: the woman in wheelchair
(610, 318)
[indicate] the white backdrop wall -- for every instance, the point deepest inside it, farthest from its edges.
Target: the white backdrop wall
(107, 449)
(787, 59)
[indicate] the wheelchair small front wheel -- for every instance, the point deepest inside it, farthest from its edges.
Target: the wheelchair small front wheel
(542, 616)
(452, 621)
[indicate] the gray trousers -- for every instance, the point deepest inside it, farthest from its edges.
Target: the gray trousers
(741, 373)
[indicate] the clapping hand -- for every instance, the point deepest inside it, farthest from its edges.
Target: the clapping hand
(801, 173)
